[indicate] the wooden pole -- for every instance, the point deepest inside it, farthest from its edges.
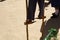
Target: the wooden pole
(27, 24)
(43, 23)
(27, 33)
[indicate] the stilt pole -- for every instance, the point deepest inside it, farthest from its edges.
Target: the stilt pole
(43, 23)
(27, 24)
(27, 33)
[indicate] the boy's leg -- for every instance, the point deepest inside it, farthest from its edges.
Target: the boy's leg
(41, 9)
(31, 10)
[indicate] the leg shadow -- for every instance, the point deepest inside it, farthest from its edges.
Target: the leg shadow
(51, 23)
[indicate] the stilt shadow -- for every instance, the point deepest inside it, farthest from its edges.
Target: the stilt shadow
(51, 23)
(2, 0)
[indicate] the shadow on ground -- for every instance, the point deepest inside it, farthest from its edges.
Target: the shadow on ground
(51, 23)
(2, 0)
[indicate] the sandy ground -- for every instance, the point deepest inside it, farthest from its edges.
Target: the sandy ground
(12, 18)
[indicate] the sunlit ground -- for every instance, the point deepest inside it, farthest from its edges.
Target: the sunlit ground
(12, 18)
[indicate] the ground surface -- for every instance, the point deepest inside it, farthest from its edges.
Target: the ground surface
(13, 16)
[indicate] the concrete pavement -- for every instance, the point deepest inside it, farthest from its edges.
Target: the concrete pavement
(12, 18)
